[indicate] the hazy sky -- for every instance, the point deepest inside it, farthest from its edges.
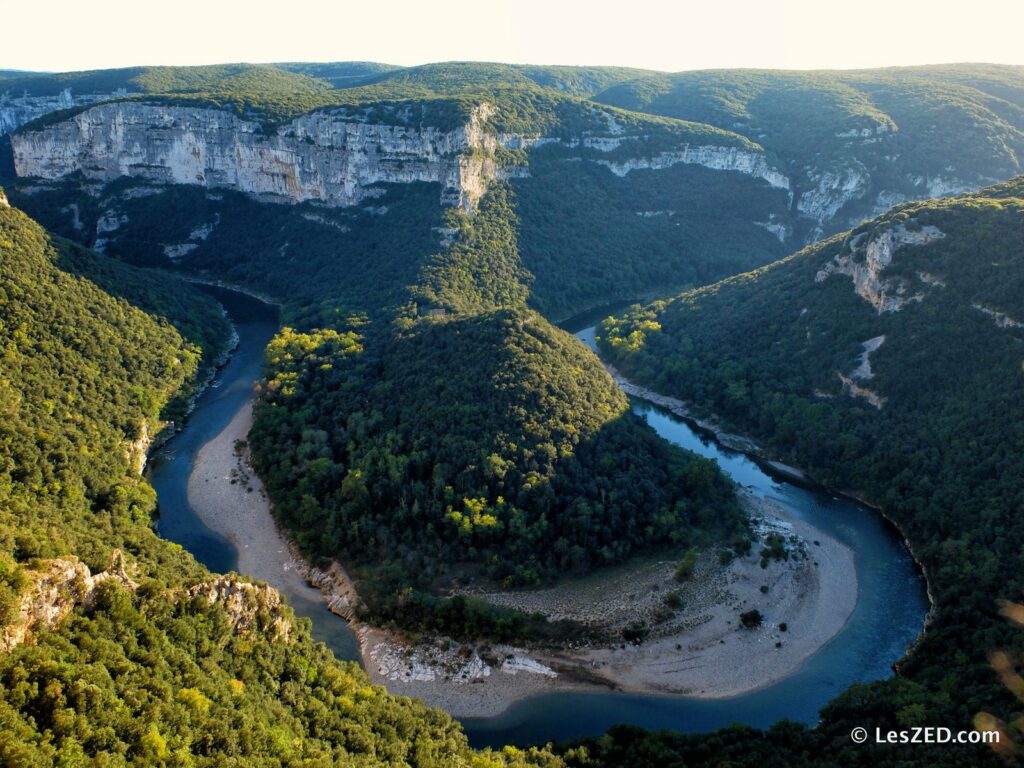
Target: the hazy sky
(87, 34)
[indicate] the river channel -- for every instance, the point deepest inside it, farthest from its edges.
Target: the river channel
(889, 614)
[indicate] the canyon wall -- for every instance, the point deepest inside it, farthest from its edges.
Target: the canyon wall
(17, 109)
(330, 156)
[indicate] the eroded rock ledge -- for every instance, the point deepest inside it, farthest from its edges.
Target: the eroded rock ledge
(865, 263)
(54, 588)
(250, 607)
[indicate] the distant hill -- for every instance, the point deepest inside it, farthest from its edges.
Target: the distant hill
(857, 142)
(420, 415)
(852, 143)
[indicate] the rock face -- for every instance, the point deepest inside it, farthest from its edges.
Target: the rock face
(717, 158)
(250, 607)
(337, 587)
(832, 190)
(331, 156)
(55, 588)
(334, 156)
(137, 450)
(866, 263)
(16, 110)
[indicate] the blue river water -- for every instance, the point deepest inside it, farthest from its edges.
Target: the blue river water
(888, 617)
(170, 466)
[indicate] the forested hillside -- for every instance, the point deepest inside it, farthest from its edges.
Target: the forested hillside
(94, 352)
(888, 361)
(461, 436)
(856, 142)
(607, 209)
(150, 666)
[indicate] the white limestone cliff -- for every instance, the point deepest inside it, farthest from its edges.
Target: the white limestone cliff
(865, 265)
(745, 161)
(332, 156)
(18, 109)
(53, 589)
(831, 191)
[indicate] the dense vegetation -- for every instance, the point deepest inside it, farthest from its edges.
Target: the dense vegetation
(144, 677)
(852, 143)
(877, 129)
(93, 352)
(942, 453)
(414, 393)
(488, 439)
(589, 237)
(462, 436)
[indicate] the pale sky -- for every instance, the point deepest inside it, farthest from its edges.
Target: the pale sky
(60, 35)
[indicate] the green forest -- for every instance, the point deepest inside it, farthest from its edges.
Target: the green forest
(145, 674)
(413, 384)
(941, 455)
(460, 436)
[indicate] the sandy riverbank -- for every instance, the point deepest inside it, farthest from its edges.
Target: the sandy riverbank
(696, 649)
(699, 650)
(229, 497)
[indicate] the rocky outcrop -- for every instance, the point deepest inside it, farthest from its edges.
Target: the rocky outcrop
(137, 450)
(831, 191)
(939, 186)
(865, 263)
(1001, 319)
(777, 228)
(863, 370)
(54, 589)
(335, 584)
(199, 234)
(250, 607)
(3, 199)
(717, 158)
(335, 156)
(853, 389)
(16, 110)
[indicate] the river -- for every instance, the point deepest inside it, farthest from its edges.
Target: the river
(889, 614)
(170, 466)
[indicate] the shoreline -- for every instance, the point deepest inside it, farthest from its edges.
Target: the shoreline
(699, 652)
(229, 498)
(792, 474)
(702, 652)
(189, 277)
(483, 680)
